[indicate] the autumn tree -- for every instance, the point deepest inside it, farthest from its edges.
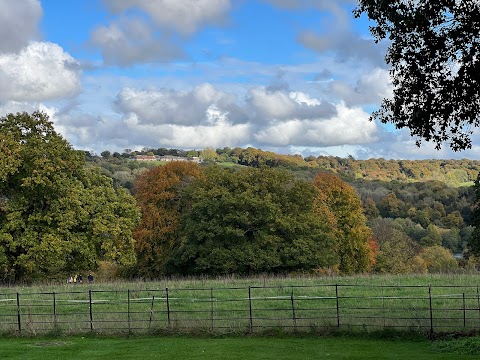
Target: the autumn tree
(439, 260)
(434, 54)
(352, 233)
(56, 215)
(474, 239)
(397, 252)
(252, 221)
(158, 192)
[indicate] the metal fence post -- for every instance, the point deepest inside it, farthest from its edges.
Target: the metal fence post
(168, 306)
(431, 309)
(54, 310)
(294, 316)
(90, 307)
(211, 309)
(128, 311)
(18, 315)
(478, 303)
(151, 312)
(464, 311)
(338, 305)
(250, 308)
(383, 307)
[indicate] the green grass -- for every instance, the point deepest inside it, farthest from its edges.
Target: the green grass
(226, 348)
(304, 304)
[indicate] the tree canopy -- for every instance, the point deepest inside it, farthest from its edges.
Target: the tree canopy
(56, 216)
(354, 247)
(252, 221)
(158, 192)
(214, 220)
(434, 54)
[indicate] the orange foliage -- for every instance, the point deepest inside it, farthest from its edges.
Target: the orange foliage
(353, 235)
(157, 194)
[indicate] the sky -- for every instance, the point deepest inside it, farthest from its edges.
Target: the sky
(289, 76)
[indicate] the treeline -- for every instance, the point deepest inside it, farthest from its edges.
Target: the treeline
(428, 212)
(64, 211)
(451, 172)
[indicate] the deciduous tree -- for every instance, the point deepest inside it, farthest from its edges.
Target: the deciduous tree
(56, 215)
(353, 235)
(252, 221)
(434, 54)
(158, 192)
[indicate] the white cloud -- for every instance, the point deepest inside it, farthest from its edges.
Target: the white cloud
(130, 41)
(41, 71)
(185, 16)
(19, 20)
(349, 126)
(283, 105)
(154, 31)
(371, 88)
(164, 106)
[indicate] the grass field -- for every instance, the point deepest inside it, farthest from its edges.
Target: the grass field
(232, 305)
(232, 348)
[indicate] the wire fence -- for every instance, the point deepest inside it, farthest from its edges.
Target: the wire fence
(427, 309)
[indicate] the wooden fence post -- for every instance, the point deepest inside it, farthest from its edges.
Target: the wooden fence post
(464, 311)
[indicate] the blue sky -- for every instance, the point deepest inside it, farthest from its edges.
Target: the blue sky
(291, 76)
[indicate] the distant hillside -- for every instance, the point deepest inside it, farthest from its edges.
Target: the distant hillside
(423, 199)
(452, 172)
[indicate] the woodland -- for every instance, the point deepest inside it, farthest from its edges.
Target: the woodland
(416, 209)
(240, 211)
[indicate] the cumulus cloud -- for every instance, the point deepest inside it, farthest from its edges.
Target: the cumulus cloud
(154, 31)
(185, 16)
(13, 107)
(348, 126)
(371, 88)
(345, 44)
(336, 36)
(164, 106)
(19, 21)
(207, 116)
(40, 71)
(282, 105)
(319, 4)
(131, 41)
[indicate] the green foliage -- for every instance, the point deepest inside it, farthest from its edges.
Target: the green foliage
(56, 215)
(439, 260)
(251, 221)
(433, 50)
(397, 252)
(474, 241)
